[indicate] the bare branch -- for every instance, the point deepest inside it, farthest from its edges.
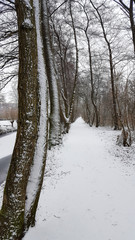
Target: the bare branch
(58, 8)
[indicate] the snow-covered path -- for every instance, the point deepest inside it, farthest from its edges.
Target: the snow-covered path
(88, 194)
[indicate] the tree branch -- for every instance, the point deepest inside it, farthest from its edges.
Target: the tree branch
(57, 8)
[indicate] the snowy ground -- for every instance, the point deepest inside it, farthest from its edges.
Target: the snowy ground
(89, 189)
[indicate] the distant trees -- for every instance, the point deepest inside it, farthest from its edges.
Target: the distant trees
(2, 99)
(88, 34)
(7, 110)
(109, 52)
(115, 114)
(8, 43)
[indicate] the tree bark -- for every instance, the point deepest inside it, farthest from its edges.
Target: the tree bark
(25, 153)
(92, 81)
(54, 131)
(37, 170)
(76, 68)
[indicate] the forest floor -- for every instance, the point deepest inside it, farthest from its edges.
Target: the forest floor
(89, 188)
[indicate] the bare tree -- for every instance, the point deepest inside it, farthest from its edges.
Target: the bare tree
(128, 9)
(88, 37)
(115, 114)
(54, 119)
(8, 42)
(67, 70)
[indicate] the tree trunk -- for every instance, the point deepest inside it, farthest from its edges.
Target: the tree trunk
(131, 15)
(31, 141)
(130, 12)
(76, 67)
(115, 114)
(54, 134)
(37, 170)
(92, 81)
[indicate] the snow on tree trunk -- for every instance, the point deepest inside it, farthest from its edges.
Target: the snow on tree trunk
(30, 142)
(37, 170)
(76, 69)
(54, 134)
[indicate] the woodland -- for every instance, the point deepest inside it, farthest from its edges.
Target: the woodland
(70, 58)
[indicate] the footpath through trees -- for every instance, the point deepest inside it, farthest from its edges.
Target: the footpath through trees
(88, 190)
